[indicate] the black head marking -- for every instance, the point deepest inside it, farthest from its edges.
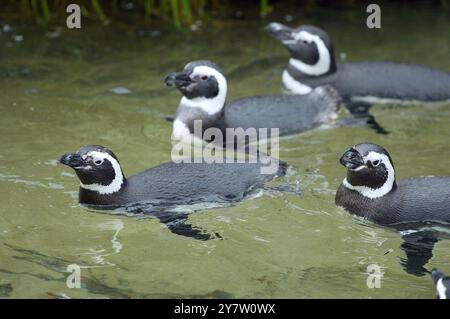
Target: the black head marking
(306, 50)
(194, 84)
(365, 148)
(365, 167)
(191, 65)
(302, 48)
(315, 31)
(96, 148)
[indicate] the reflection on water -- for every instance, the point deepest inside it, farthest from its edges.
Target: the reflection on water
(17, 179)
(105, 86)
(99, 255)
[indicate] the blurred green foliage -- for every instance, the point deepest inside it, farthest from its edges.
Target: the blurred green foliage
(179, 12)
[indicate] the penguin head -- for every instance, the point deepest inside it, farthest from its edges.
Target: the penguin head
(97, 168)
(204, 90)
(311, 49)
(370, 170)
(202, 84)
(442, 284)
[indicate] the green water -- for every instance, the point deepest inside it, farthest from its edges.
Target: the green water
(55, 97)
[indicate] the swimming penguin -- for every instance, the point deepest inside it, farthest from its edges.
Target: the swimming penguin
(442, 284)
(312, 64)
(204, 90)
(104, 186)
(370, 190)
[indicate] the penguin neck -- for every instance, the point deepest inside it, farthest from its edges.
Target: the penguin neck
(211, 106)
(301, 70)
(94, 198)
(294, 84)
(371, 191)
(89, 196)
(325, 62)
(192, 121)
(298, 80)
(102, 194)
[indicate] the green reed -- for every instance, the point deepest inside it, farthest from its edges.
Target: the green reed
(180, 13)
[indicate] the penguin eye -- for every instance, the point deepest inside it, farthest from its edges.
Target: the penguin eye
(376, 163)
(204, 77)
(98, 161)
(305, 42)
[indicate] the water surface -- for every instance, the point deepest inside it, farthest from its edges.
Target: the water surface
(56, 96)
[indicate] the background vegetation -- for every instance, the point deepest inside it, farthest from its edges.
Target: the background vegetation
(179, 13)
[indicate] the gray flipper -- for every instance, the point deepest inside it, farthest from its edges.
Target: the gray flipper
(178, 224)
(361, 117)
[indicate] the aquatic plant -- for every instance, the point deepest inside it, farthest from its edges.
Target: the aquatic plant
(182, 12)
(179, 12)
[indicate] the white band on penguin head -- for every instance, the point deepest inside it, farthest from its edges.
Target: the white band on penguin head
(373, 193)
(322, 65)
(208, 105)
(117, 182)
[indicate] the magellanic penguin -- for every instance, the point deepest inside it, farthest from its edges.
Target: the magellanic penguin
(442, 284)
(204, 90)
(157, 190)
(412, 206)
(313, 63)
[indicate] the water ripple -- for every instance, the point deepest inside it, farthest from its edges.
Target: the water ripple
(17, 180)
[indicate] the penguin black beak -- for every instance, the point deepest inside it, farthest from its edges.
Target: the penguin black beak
(352, 159)
(279, 31)
(73, 160)
(177, 79)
